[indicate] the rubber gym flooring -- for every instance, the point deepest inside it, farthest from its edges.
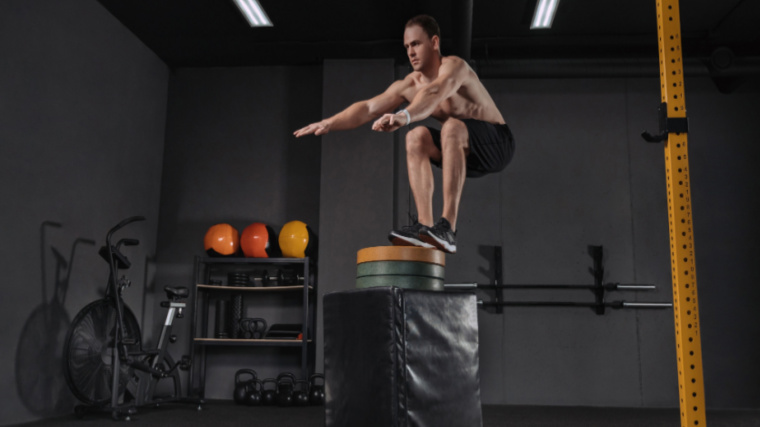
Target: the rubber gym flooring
(226, 413)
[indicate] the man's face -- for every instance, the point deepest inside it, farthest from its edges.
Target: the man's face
(420, 48)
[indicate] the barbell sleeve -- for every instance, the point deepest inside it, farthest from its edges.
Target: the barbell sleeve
(460, 285)
(647, 304)
(634, 287)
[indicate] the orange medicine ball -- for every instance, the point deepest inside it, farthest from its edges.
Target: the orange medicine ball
(221, 240)
(259, 241)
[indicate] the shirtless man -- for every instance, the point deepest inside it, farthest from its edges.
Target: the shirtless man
(473, 140)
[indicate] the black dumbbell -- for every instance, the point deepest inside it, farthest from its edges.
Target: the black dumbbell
(256, 278)
(261, 278)
(238, 279)
(289, 278)
(281, 278)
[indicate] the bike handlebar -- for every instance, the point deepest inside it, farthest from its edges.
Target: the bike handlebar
(121, 225)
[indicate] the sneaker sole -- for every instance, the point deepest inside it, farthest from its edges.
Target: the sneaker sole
(399, 240)
(438, 243)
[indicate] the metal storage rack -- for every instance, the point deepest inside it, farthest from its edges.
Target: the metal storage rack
(206, 268)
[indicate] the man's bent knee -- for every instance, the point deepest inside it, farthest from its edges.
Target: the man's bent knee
(419, 140)
(454, 134)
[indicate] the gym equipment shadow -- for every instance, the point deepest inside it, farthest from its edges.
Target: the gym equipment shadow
(39, 369)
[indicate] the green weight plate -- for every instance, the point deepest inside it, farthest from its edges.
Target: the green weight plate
(407, 282)
(402, 268)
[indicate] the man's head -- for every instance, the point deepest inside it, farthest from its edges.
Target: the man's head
(422, 41)
(427, 23)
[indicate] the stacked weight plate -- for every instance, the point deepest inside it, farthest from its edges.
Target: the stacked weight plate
(405, 267)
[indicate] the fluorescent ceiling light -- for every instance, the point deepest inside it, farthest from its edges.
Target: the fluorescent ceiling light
(254, 13)
(544, 15)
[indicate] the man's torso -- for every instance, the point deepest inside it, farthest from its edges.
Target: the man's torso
(471, 100)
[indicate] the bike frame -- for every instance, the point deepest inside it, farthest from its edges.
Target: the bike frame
(146, 367)
(119, 347)
(120, 354)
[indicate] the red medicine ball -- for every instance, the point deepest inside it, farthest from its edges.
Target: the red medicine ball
(259, 241)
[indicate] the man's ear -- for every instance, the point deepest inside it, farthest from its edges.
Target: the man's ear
(436, 43)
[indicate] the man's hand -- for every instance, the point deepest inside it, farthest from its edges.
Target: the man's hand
(390, 122)
(318, 128)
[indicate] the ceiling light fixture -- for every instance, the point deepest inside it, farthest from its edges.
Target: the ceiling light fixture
(254, 13)
(544, 14)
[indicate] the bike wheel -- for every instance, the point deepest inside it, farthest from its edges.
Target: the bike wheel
(87, 356)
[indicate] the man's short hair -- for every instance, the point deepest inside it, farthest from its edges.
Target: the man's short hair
(427, 23)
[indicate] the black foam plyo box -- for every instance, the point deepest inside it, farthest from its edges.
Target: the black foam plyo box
(401, 358)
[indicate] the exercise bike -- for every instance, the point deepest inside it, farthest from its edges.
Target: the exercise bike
(105, 365)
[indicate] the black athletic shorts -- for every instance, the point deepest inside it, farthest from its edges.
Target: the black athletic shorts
(491, 147)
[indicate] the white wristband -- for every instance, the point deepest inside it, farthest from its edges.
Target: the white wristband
(408, 116)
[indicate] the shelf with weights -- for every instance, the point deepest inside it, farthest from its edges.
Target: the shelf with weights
(225, 285)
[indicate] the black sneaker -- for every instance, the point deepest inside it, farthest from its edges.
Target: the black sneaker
(409, 235)
(441, 236)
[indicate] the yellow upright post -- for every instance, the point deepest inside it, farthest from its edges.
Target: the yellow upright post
(685, 301)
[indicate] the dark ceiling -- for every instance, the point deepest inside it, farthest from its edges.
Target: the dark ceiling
(202, 33)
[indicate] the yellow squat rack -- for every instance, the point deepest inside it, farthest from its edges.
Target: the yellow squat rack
(673, 131)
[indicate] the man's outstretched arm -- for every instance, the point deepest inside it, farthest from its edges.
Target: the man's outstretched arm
(360, 112)
(451, 75)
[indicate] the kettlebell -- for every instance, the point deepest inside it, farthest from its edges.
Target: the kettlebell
(268, 396)
(254, 393)
(317, 393)
(259, 328)
(240, 394)
(253, 327)
(285, 384)
(301, 394)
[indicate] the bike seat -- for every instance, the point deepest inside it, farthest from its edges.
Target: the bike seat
(175, 294)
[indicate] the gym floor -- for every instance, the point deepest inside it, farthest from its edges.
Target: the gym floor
(493, 416)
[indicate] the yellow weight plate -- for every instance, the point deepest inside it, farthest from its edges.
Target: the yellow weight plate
(401, 253)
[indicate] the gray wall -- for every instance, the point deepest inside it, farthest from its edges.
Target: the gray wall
(357, 179)
(231, 158)
(82, 111)
(582, 175)
(85, 115)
